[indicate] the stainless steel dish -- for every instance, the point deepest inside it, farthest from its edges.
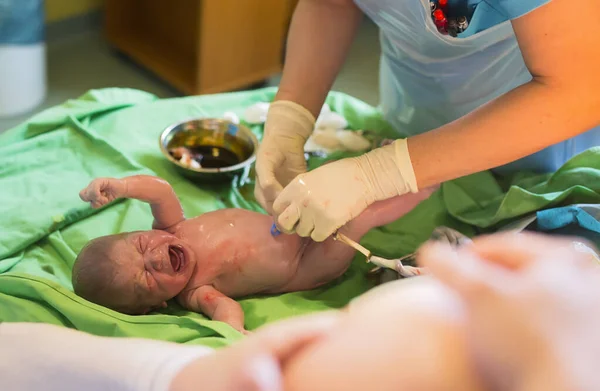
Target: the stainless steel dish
(228, 149)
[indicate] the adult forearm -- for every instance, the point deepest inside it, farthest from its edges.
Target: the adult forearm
(517, 124)
(320, 36)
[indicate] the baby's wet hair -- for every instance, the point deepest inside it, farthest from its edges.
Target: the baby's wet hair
(95, 274)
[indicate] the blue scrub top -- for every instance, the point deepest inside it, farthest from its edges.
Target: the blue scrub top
(428, 80)
(493, 12)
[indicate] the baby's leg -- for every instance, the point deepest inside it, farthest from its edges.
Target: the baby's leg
(384, 212)
(325, 261)
(404, 335)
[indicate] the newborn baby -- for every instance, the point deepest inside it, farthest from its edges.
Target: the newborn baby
(206, 261)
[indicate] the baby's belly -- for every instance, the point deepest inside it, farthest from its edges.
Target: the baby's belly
(242, 254)
(266, 269)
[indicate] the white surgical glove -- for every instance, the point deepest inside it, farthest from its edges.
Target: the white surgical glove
(319, 202)
(280, 157)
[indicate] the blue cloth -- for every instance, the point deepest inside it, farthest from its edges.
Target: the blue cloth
(587, 217)
(21, 22)
(428, 80)
(580, 220)
(489, 13)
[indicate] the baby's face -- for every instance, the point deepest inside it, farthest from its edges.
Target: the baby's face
(157, 264)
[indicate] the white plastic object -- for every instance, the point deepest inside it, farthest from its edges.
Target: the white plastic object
(231, 117)
(322, 140)
(331, 120)
(330, 140)
(257, 113)
(353, 140)
(22, 78)
(311, 146)
(326, 138)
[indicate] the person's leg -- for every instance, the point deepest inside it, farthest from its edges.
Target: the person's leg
(404, 335)
(325, 261)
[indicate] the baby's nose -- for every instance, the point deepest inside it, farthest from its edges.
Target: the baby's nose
(157, 264)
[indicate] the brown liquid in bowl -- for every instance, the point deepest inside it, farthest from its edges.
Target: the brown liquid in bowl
(214, 157)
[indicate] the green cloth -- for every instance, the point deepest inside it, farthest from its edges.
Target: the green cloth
(46, 161)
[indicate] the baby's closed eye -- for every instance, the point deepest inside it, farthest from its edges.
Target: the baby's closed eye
(149, 280)
(141, 245)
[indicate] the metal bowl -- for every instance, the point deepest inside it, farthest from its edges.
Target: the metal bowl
(211, 132)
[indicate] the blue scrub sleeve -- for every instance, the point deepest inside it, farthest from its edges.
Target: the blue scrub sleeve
(513, 9)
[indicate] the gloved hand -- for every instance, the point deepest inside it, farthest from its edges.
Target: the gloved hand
(280, 157)
(319, 202)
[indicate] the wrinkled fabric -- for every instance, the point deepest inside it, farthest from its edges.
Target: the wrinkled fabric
(48, 159)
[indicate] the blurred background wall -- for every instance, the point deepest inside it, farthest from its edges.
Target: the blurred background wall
(57, 10)
(177, 48)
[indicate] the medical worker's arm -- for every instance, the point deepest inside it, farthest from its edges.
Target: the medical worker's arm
(560, 102)
(166, 208)
(320, 36)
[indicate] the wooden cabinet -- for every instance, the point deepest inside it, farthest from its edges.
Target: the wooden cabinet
(202, 46)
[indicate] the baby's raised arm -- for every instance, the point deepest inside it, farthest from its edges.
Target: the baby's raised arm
(165, 205)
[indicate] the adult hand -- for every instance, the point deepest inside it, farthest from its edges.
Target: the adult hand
(280, 157)
(319, 202)
(255, 363)
(532, 303)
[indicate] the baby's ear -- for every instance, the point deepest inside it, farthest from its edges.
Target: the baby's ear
(163, 304)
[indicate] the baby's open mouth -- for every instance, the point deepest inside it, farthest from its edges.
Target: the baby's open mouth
(177, 257)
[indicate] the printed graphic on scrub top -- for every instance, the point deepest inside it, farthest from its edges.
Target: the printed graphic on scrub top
(480, 15)
(428, 79)
(461, 18)
(451, 17)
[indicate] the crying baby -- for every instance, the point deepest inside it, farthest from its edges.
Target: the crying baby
(207, 261)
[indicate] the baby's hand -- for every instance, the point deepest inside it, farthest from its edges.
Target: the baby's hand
(102, 191)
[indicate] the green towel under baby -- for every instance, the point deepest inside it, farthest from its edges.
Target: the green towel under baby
(114, 132)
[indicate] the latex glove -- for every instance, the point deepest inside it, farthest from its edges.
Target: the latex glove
(255, 363)
(280, 157)
(319, 202)
(102, 191)
(532, 305)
